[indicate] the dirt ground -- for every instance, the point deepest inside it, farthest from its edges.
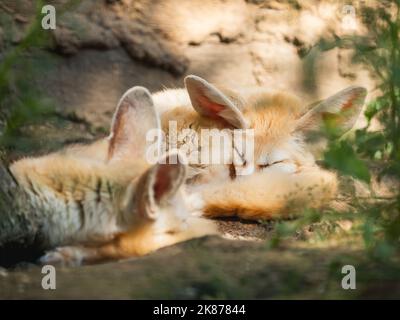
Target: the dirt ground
(210, 268)
(102, 48)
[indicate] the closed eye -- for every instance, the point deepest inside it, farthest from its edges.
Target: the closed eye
(262, 166)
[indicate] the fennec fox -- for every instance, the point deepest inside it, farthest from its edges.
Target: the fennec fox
(284, 175)
(105, 201)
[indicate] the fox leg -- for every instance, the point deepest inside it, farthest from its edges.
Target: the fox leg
(78, 255)
(72, 256)
(269, 194)
(136, 242)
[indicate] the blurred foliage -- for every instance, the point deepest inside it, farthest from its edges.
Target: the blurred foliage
(364, 153)
(380, 53)
(21, 102)
(341, 156)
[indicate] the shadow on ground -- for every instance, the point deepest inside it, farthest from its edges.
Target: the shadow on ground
(209, 268)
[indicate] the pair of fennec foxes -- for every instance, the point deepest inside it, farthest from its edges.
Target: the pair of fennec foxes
(104, 201)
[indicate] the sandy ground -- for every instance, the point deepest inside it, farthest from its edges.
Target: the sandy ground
(210, 268)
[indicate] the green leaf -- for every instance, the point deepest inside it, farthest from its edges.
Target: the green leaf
(341, 156)
(374, 107)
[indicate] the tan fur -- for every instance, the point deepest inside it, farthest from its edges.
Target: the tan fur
(104, 201)
(56, 180)
(99, 200)
(286, 178)
(270, 194)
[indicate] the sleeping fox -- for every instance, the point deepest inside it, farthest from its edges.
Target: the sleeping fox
(104, 201)
(282, 174)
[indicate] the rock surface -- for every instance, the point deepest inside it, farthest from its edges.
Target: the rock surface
(113, 45)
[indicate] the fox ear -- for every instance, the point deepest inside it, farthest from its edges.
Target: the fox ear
(160, 183)
(210, 102)
(134, 117)
(339, 112)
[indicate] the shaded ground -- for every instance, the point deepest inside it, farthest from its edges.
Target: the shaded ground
(213, 268)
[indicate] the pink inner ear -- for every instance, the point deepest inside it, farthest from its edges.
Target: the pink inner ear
(211, 109)
(118, 128)
(163, 181)
(349, 103)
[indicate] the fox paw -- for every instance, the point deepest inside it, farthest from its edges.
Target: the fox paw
(64, 256)
(196, 203)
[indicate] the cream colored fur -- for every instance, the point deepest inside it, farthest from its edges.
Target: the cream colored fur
(103, 201)
(285, 175)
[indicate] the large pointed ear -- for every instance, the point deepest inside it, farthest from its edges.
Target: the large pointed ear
(160, 183)
(210, 102)
(134, 117)
(339, 112)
